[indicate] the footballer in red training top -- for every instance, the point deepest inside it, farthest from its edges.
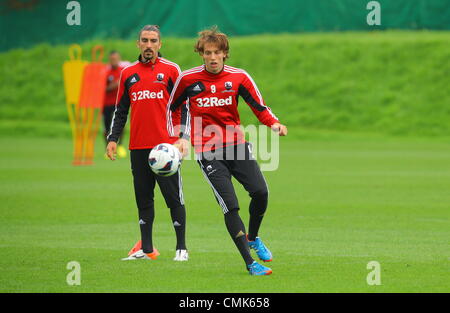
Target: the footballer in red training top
(212, 91)
(115, 67)
(145, 87)
(214, 98)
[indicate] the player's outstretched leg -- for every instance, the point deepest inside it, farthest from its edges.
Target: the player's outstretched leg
(248, 173)
(257, 209)
(258, 206)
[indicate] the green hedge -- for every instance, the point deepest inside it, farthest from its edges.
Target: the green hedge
(386, 82)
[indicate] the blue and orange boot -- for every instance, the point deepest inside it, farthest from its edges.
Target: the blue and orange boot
(263, 253)
(258, 270)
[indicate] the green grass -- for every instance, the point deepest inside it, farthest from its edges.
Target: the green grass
(394, 82)
(337, 202)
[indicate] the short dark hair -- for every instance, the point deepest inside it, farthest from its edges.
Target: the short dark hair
(114, 52)
(150, 28)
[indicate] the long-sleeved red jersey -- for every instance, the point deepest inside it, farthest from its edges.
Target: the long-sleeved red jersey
(146, 88)
(212, 111)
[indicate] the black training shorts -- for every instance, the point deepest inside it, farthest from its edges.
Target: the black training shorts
(236, 161)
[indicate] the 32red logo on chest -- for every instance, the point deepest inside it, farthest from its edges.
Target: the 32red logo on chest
(147, 94)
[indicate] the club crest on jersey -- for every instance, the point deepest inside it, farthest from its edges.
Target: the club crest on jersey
(160, 76)
(210, 170)
(228, 86)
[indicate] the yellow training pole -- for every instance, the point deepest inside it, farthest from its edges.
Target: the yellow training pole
(73, 76)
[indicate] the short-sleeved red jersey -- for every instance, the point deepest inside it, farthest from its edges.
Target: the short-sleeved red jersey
(214, 99)
(146, 88)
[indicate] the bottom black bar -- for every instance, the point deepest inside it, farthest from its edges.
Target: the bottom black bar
(221, 302)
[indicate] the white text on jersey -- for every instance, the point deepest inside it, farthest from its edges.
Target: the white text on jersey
(214, 101)
(147, 94)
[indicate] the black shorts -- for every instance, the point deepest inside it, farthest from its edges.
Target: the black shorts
(144, 180)
(242, 166)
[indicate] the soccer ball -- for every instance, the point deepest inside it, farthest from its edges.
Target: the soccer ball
(164, 159)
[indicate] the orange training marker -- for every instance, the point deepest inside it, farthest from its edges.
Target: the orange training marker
(91, 103)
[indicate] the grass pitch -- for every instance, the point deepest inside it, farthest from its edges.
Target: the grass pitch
(336, 203)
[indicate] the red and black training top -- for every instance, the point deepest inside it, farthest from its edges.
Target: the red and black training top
(212, 111)
(146, 88)
(112, 76)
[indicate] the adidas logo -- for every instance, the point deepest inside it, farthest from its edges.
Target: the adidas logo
(176, 224)
(197, 88)
(133, 80)
(240, 234)
(141, 222)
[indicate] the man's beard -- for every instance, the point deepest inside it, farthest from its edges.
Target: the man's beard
(147, 59)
